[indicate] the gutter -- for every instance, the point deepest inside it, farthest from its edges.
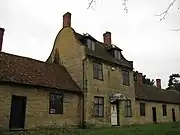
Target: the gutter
(83, 94)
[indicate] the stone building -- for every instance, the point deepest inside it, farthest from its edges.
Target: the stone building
(83, 81)
(36, 94)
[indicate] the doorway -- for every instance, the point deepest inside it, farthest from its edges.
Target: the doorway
(154, 115)
(17, 115)
(173, 115)
(115, 114)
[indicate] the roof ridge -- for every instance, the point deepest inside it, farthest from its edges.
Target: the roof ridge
(24, 57)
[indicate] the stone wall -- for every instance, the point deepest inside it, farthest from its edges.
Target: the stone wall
(148, 118)
(37, 107)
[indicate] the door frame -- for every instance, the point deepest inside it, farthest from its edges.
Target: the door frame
(154, 115)
(24, 100)
(173, 115)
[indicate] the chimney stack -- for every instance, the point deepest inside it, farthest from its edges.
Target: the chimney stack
(107, 38)
(139, 78)
(158, 83)
(67, 20)
(1, 37)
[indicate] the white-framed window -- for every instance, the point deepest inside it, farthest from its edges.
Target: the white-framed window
(91, 44)
(117, 54)
(128, 108)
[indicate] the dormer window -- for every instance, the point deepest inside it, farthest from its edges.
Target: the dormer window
(117, 54)
(91, 44)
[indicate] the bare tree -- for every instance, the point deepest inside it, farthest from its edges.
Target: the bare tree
(162, 15)
(90, 3)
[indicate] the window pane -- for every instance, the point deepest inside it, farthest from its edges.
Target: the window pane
(101, 100)
(142, 109)
(125, 75)
(96, 110)
(100, 74)
(93, 46)
(96, 101)
(101, 110)
(97, 71)
(117, 54)
(56, 103)
(129, 111)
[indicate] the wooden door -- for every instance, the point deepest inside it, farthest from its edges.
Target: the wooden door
(173, 115)
(17, 116)
(154, 114)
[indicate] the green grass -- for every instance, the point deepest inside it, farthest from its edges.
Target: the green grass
(150, 129)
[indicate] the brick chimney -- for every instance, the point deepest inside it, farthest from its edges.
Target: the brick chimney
(107, 38)
(1, 37)
(139, 78)
(158, 83)
(67, 20)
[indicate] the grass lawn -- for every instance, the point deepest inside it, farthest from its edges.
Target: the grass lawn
(151, 129)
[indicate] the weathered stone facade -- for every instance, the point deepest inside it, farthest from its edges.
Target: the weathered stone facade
(112, 83)
(72, 56)
(37, 107)
(72, 53)
(148, 118)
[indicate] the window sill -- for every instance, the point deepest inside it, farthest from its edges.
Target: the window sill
(126, 84)
(128, 116)
(98, 116)
(56, 113)
(99, 79)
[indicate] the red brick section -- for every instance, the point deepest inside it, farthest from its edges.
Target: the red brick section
(67, 20)
(139, 78)
(107, 38)
(1, 37)
(24, 70)
(158, 83)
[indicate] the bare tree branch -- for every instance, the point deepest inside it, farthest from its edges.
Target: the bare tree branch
(165, 13)
(175, 29)
(90, 3)
(125, 5)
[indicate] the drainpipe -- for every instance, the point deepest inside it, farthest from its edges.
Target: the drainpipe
(84, 90)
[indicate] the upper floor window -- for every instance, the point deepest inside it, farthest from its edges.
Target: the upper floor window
(142, 109)
(164, 110)
(56, 103)
(117, 54)
(99, 106)
(97, 71)
(128, 108)
(125, 77)
(91, 44)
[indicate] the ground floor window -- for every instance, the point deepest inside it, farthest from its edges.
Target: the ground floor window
(99, 106)
(142, 109)
(164, 110)
(56, 103)
(128, 108)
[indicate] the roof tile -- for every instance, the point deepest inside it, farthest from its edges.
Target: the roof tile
(25, 70)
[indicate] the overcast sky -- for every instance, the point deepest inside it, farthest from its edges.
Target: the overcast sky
(32, 25)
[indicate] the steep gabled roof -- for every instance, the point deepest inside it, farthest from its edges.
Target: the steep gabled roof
(23, 70)
(102, 53)
(152, 93)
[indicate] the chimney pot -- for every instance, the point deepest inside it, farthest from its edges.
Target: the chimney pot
(139, 78)
(158, 83)
(1, 37)
(107, 38)
(67, 19)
